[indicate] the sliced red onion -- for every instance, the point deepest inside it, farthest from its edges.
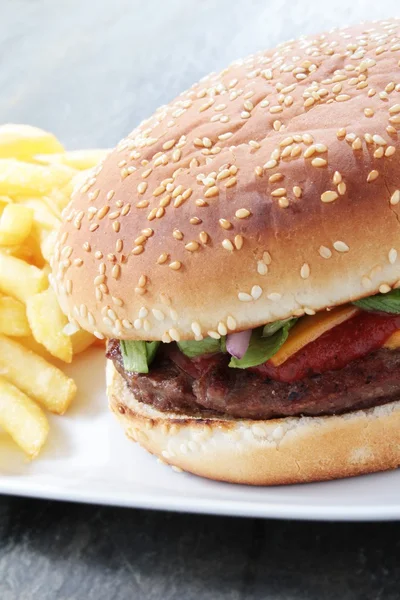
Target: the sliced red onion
(237, 343)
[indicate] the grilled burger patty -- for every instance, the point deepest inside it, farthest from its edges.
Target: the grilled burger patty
(178, 384)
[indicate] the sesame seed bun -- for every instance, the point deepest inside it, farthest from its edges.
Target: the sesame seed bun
(268, 190)
(274, 452)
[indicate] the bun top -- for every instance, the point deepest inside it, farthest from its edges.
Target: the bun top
(268, 190)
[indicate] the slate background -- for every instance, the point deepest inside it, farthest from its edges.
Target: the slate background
(89, 70)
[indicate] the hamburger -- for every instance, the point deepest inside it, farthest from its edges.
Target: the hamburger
(239, 251)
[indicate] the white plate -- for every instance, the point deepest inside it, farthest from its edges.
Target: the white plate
(88, 459)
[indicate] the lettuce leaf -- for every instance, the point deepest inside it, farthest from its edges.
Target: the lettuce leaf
(208, 345)
(388, 303)
(138, 355)
(261, 348)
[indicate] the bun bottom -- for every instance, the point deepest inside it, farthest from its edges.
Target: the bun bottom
(273, 452)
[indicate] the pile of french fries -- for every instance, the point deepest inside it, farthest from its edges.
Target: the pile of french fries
(36, 179)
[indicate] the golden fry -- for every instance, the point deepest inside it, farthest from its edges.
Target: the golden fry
(24, 141)
(81, 341)
(20, 280)
(25, 179)
(13, 319)
(47, 323)
(22, 418)
(15, 224)
(78, 159)
(39, 379)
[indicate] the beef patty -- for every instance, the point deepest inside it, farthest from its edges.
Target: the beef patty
(178, 384)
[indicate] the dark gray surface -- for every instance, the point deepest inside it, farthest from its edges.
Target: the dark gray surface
(68, 551)
(89, 71)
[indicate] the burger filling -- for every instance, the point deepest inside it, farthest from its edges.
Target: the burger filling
(324, 364)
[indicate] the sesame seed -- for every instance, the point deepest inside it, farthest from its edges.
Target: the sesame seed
(196, 328)
(337, 178)
(262, 268)
(227, 244)
(159, 190)
(225, 224)
(203, 237)
(372, 175)
(325, 252)
(256, 292)
(243, 297)
(116, 226)
(192, 246)
(254, 144)
(158, 314)
(238, 242)
(178, 235)
(175, 266)
(275, 177)
(242, 213)
(309, 152)
(341, 246)
(146, 173)
(357, 144)
(212, 191)
(279, 192)
(394, 109)
(392, 256)
(378, 139)
(297, 191)
(390, 150)
(142, 204)
(329, 196)
(270, 164)
(341, 133)
(384, 288)
(195, 221)
(174, 334)
(342, 98)
(231, 182)
(143, 312)
(223, 174)
(368, 112)
(395, 198)
(318, 162)
(275, 297)
(162, 258)
(258, 171)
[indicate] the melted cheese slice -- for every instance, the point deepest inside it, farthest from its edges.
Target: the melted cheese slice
(310, 328)
(393, 342)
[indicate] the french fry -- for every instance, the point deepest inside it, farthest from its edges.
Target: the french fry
(42, 215)
(15, 224)
(25, 179)
(77, 159)
(22, 418)
(30, 343)
(47, 323)
(20, 280)
(36, 377)
(24, 141)
(47, 243)
(81, 341)
(13, 319)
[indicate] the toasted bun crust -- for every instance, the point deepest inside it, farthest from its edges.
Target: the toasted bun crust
(279, 451)
(268, 190)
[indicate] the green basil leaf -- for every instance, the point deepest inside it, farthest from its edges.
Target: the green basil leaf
(138, 355)
(271, 328)
(262, 348)
(388, 303)
(192, 348)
